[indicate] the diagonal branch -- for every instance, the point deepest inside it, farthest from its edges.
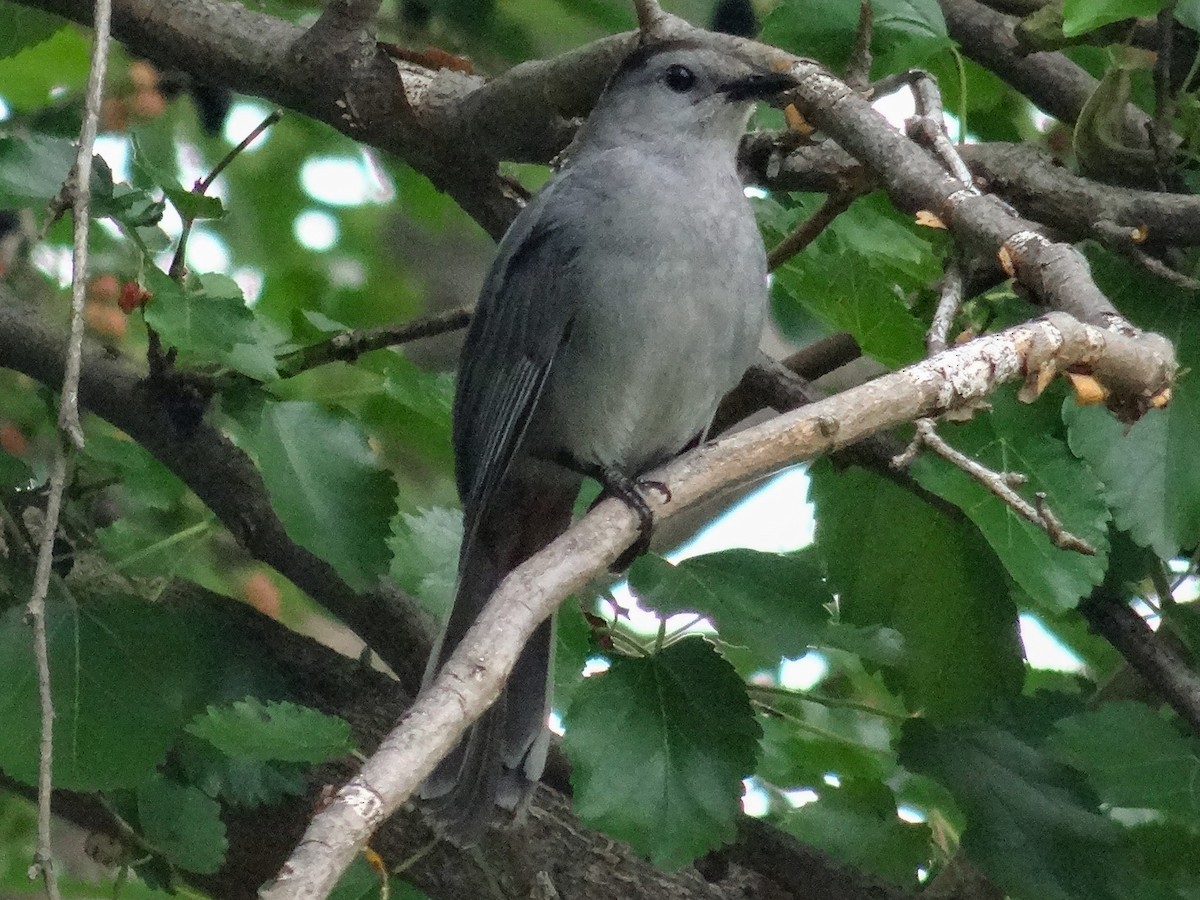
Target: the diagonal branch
(472, 678)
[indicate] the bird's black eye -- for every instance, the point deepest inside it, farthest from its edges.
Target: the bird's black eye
(679, 78)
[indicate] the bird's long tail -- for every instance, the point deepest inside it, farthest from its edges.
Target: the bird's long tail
(502, 755)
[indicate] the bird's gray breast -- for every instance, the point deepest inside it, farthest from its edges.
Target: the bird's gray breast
(672, 287)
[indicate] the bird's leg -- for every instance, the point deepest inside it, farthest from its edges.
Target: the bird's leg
(630, 490)
(633, 492)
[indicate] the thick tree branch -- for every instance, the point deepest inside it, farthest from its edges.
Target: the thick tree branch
(220, 474)
(1043, 190)
(472, 678)
(1056, 85)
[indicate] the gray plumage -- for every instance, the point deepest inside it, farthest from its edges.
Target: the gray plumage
(626, 299)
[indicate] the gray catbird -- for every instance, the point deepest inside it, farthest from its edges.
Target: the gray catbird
(626, 299)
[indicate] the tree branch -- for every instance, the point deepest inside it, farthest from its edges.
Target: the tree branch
(473, 676)
(221, 475)
(585, 865)
(1055, 84)
(1153, 658)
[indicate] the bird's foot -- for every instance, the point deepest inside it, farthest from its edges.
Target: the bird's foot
(633, 492)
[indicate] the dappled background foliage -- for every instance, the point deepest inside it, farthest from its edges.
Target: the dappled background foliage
(919, 739)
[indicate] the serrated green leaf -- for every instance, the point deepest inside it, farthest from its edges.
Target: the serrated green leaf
(207, 318)
(273, 731)
(1081, 16)
(857, 824)
(1031, 825)
(854, 275)
(1004, 441)
(1133, 757)
(424, 549)
(773, 603)
(125, 676)
(327, 486)
(895, 561)
(25, 26)
(238, 781)
(681, 721)
(183, 824)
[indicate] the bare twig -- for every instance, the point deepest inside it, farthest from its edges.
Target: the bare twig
(472, 679)
(1162, 135)
(1123, 241)
(948, 305)
(858, 70)
(71, 435)
(1001, 484)
(177, 270)
(349, 345)
(808, 230)
(928, 126)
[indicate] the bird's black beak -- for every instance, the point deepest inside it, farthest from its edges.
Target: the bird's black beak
(759, 86)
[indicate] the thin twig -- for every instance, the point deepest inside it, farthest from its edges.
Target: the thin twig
(202, 185)
(1000, 484)
(808, 230)
(1121, 239)
(928, 127)
(1161, 132)
(858, 70)
(71, 436)
(350, 345)
(948, 305)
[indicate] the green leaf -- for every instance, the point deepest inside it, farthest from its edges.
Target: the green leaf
(273, 731)
(327, 486)
(770, 602)
(207, 318)
(857, 824)
(24, 26)
(895, 561)
(1133, 757)
(905, 33)
(58, 62)
(680, 720)
(1006, 440)
(1031, 825)
(238, 781)
(183, 824)
(143, 478)
(1152, 482)
(32, 169)
(854, 275)
(424, 548)
(190, 204)
(1080, 16)
(361, 882)
(1187, 12)
(125, 676)
(1148, 469)
(794, 757)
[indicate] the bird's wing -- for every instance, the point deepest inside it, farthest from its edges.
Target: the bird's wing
(522, 320)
